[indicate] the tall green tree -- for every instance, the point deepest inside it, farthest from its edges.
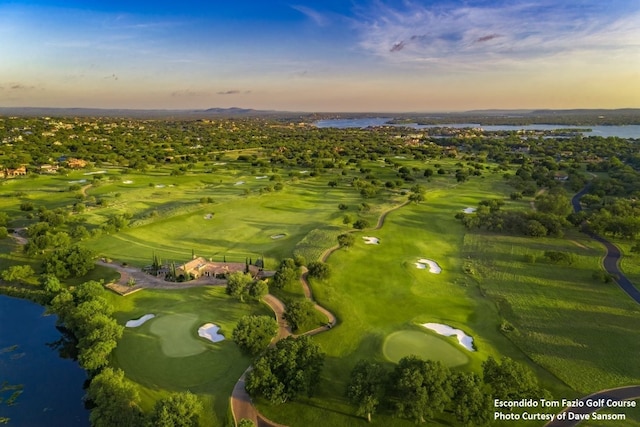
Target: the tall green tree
(116, 400)
(471, 406)
(298, 312)
(176, 410)
(286, 371)
(510, 380)
(254, 333)
(366, 387)
(420, 388)
(238, 284)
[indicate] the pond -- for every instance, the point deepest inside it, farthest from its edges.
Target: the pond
(51, 386)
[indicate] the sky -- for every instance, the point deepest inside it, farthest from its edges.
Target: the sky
(321, 56)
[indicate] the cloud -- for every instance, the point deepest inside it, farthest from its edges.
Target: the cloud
(318, 18)
(233, 92)
(16, 87)
(480, 34)
(188, 93)
(487, 38)
(111, 77)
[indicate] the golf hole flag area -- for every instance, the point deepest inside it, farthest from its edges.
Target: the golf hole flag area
(422, 344)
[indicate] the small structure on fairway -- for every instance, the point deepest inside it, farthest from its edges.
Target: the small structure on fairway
(368, 240)
(433, 266)
(465, 340)
(137, 322)
(469, 210)
(210, 331)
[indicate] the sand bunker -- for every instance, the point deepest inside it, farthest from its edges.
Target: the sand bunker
(433, 266)
(137, 322)
(208, 216)
(371, 240)
(78, 181)
(465, 340)
(127, 182)
(210, 332)
(278, 236)
(94, 173)
(160, 186)
(304, 172)
(219, 163)
(262, 177)
(239, 183)
(469, 210)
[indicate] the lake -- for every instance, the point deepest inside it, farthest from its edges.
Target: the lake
(52, 386)
(628, 131)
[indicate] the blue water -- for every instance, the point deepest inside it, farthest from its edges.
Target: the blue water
(629, 131)
(52, 393)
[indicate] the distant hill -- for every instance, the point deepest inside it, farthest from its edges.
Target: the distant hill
(580, 117)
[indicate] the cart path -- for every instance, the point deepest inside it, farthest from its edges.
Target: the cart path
(612, 258)
(617, 394)
(241, 404)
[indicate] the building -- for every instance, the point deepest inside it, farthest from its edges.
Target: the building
(201, 267)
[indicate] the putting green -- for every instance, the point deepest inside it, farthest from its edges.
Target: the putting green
(406, 343)
(176, 336)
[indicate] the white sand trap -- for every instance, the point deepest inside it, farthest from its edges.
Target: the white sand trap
(371, 240)
(210, 332)
(239, 183)
(137, 322)
(465, 340)
(469, 210)
(278, 236)
(78, 181)
(262, 177)
(219, 163)
(208, 216)
(399, 157)
(94, 173)
(127, 182)
(433, 266)
(160, 186)
(304, 172)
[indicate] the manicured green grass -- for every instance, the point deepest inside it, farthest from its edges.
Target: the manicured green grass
(165, 354)
(581, 330)
(429, 347)
(176, 334)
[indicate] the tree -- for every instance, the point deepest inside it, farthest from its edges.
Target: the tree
(421, 388)
(4, 233)
(17, 273)
(361, 224)
(116, 400)
(471, 406)
(366, 387)
(238, 284)
(73, 261)
(257, 289)
(254, 333)
(287, 370)
(510, 380)
(177, 410)
(319, 270)
(346, 240)
(246, 423)
(286, 274)
(298, 312)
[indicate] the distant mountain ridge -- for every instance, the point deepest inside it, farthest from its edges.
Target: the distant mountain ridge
(585, 117)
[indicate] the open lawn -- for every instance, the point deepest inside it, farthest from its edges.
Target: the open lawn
(165, 354)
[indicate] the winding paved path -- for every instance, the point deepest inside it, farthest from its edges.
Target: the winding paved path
(598, 401)
(610, 264)
(241, 404)
(612, 258)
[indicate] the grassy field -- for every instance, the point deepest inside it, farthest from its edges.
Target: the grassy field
(567, 327)
(165, 354)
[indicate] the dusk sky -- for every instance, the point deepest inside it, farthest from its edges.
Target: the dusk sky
(329, 55)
